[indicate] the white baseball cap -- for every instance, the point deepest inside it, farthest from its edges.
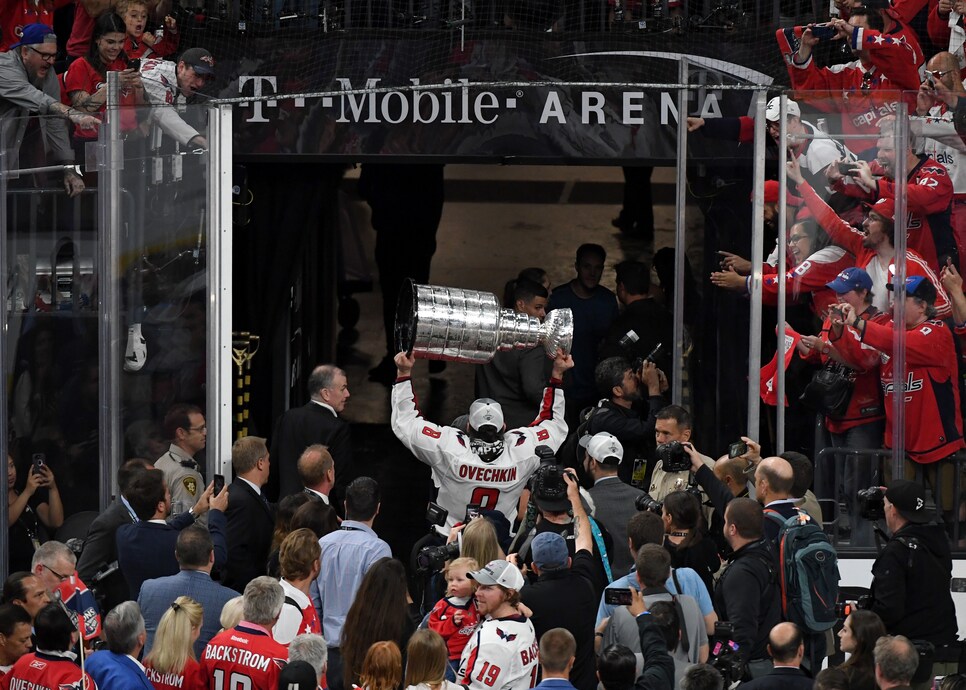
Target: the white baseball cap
(773, 109)
(501, 573)
(604, 448)
(486, 411)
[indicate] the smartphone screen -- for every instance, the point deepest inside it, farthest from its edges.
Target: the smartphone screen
(616, 596)
(219, 483)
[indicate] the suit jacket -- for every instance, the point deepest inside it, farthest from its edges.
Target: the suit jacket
(156, 597)
(251, 523)
(100, 549)
(298, 429)
(146, 550)
(782, 678)
(613, 508)
(110, 670)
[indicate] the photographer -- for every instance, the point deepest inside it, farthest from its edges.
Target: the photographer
(747, 594)
(723, 481)
(672, 432)
(910, 578)
(621, 387)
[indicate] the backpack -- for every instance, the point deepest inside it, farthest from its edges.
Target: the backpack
(808, 572)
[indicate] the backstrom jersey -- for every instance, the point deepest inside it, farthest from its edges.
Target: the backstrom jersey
(42, 671)
(462, 477)
(501, 655)
(243, 657)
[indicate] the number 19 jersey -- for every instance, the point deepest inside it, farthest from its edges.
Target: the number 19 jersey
(503, 654)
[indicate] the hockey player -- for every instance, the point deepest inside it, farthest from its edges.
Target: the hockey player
(485, 465)
(503, 652)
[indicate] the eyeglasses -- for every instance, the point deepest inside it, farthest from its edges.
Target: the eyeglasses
(46, 57)
(939, 74)
(203, 427)
(60, 577)
(796, 238)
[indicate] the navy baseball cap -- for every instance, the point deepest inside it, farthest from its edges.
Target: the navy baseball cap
(35, 34)
(919, 286)
(850, 279)
(200, 60)
(549, 551)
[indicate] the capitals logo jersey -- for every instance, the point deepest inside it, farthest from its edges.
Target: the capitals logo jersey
(243, 657)
(44, 671)
(503, 654)
(462, 477)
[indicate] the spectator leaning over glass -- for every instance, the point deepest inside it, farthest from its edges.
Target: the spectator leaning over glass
(85, 81)
(28, 85)
(166, 82)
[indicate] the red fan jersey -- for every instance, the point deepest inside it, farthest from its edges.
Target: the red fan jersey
(933, 424)
(190, 678)
(810, 277)
(47, 671)
(245, 656)
(16, 14)
(455, 622)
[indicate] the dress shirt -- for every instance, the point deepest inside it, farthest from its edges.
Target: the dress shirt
(328, 407)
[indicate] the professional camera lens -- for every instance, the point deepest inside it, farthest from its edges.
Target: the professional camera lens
(646, 502)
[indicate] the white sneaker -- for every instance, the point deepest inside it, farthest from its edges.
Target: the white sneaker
(136, 353)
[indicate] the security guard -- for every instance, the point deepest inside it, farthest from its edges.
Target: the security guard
(185, 426)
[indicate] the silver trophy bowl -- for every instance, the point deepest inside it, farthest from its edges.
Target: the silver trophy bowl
(458, 325)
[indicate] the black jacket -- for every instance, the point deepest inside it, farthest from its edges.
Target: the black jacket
(635, 434)
(658, 673)
(251, 524)
(295, 431)
(910, 585)
(781, 679)
(748, 597)
(100, 549)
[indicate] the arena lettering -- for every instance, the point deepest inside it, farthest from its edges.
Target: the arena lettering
(237, 656)
(492, 475)
(172, 680)
(530, 655)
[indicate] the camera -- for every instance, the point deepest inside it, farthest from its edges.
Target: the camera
(823, 32)
(724, 654)
(871, 503)
(546, 455)
(737, 449)
(436, 514)
(646, 502)
(431, 559)
(673, 457)
(844, 609)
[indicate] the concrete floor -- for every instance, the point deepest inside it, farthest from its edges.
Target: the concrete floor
(483, 241)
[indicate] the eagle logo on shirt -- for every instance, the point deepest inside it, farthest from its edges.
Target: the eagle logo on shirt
(509, 637)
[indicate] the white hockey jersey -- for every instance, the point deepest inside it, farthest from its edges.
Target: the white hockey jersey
(503, 654)
(462, 477)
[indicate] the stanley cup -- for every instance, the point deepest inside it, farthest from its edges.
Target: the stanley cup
(470, 326)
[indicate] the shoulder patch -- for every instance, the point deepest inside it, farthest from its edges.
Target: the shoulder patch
(190, 485)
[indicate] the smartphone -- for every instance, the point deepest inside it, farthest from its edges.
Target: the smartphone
(39, 460)
(219, 483)
(824, 32)
(472, 511)
(931, 82)
(617, 596)
(737, 448)
(134, 64)
(846, 168)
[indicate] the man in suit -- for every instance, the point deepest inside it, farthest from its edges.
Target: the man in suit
(117, 666)
(558, 651)
(315, 422)
(100, 545)
(146, 550)
(613, 499)
(786, 647)
(251, 518)
(195, 552)
(317, 472)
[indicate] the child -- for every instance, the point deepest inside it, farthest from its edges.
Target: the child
(137, 43)
(455, 616)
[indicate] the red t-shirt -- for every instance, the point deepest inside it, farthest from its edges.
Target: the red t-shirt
(80, 34)
(16, 14)
(243, 656)
(163, 47)
(190, 678)
(81, 76)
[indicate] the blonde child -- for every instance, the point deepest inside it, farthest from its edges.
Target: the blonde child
(139, 43)
(455, 616)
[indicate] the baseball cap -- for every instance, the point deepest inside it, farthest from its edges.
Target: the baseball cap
(549, 551)
(909, 498)
(34, 34)
(603, 447)
(850, 279)
(200, 60)
(773, 109)
(918, 286)
(486, 411)
(883, 207)
(771, 192)
(298, 674)
(500, 573)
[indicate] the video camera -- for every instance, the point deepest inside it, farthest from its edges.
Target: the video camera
(673, 457)
(724, 654)
(871, 503)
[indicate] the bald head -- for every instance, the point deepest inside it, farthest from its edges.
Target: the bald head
(774, 479)
(316, 468)
(731, 473)
(785, 644)
(947, 64)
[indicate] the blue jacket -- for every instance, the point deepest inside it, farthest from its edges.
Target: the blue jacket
(110, 670)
